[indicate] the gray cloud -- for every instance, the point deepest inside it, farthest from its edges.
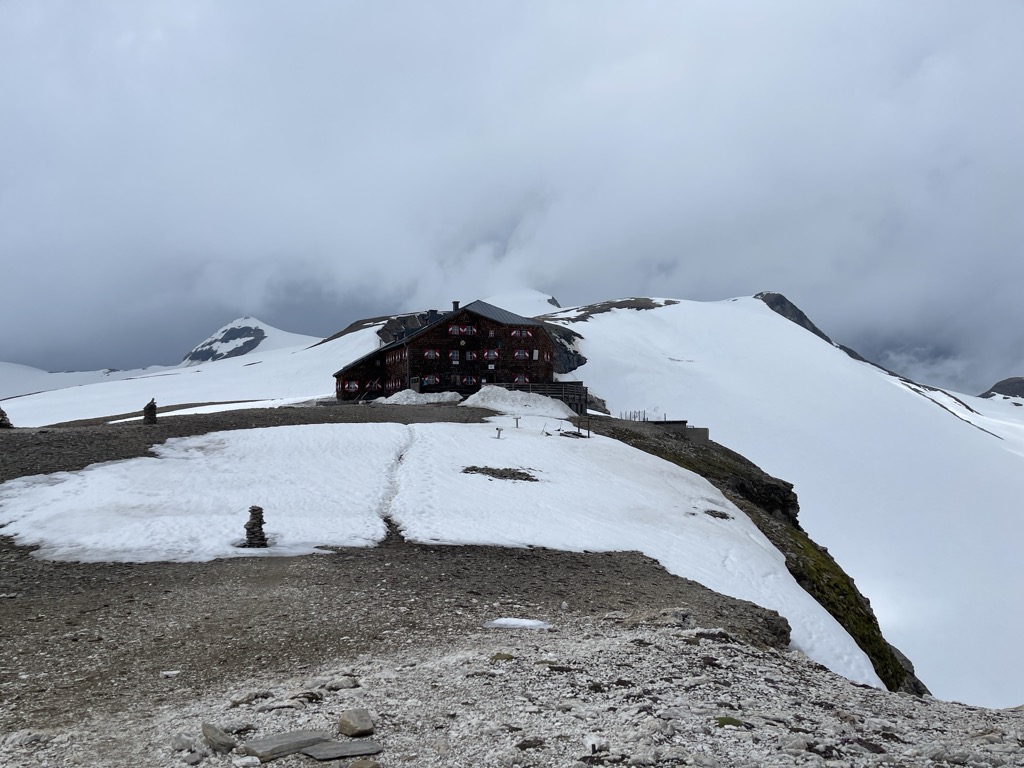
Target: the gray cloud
(168, 166)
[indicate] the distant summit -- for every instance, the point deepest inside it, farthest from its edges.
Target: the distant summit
(241, 337)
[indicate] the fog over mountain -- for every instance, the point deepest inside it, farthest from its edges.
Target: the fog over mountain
(169, 166)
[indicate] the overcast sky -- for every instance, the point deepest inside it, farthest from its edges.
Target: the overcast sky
(166, 167)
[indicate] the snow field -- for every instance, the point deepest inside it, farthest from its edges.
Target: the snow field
(332, 485)
(317, 485)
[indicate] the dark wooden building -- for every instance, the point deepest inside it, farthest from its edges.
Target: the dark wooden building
(459, 351)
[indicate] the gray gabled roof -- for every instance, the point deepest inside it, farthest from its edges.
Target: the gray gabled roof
(481, 308)
(498, 314)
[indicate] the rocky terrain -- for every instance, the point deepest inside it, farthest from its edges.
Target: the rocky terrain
(1012, 387)
(122, 664)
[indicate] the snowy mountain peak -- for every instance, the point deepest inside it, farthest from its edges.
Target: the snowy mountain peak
(241, 337)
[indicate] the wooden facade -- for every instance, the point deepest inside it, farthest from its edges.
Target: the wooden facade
(459, 351)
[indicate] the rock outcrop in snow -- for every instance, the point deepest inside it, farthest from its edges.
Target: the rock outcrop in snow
(241, 337)
(1012, 387)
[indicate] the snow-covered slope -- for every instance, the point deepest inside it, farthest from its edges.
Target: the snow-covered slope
(916, 496)
(240, 337)
(527, 303)
(244, 336)
(23, 379)
(288, 373)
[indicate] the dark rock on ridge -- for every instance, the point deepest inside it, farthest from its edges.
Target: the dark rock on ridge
(206, 351)
(637, 302)
(1012, 387)
(5, 422)
(782, 306)
(912, 683)
(567, 355)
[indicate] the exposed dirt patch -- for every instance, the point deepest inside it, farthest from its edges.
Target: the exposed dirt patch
(501, 474)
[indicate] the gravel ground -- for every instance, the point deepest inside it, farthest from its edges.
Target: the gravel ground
(78, 444)
(81, 643)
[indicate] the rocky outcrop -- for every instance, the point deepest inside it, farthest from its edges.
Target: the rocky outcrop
(1012, 387)
(567, 354)
(912, 683)
(5, 422)
(783, 306)
(231, 342)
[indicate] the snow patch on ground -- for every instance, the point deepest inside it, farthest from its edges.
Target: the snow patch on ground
(409, 397)
(334, 484)
(518, 403)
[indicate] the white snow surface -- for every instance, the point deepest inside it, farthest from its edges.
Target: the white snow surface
(409, 397)
(18, 379)
(526, 302)
(516, 403)
(323, 485)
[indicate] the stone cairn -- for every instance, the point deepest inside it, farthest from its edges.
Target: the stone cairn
(5, 423)
(149, 412)
(254, 536)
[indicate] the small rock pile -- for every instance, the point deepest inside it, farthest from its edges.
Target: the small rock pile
(149, 412)
(255, 538)
(5, 422)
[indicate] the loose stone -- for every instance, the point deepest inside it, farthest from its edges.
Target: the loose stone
(332, 750)
(283, 744)
(218, 739)
(355, 722)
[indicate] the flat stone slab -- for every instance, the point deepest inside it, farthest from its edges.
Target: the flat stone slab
(332, 750)
(283, 744)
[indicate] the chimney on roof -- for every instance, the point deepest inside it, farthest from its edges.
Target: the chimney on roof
(455, 306)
